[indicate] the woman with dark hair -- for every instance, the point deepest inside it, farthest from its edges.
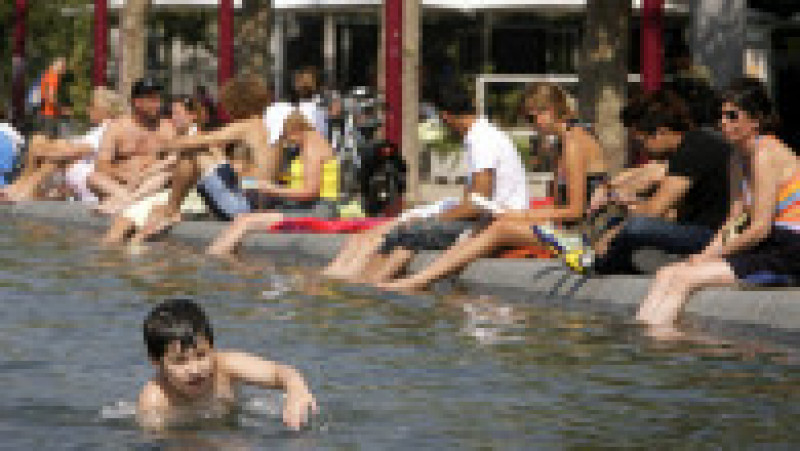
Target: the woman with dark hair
(762, 232)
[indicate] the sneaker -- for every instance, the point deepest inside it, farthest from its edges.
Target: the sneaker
(581, 260)
(573, 248)
(560, 240)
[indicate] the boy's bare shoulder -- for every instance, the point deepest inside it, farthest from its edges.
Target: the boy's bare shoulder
(152, 398)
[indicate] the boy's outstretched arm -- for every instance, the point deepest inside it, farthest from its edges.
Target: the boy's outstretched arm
(253, 370)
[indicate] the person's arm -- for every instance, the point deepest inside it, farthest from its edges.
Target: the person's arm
(312, 178)
(670, 191)
(576, 170)
(151, 407)
(736, 176)
(108, 147)
(765, 193)
(482, 183)
(253, 370)
(231, 133)
(65, 150)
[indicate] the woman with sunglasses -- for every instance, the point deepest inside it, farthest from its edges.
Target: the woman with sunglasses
(580, 167)
(762, 233)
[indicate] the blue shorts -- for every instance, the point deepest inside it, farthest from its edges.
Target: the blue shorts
(221, 192)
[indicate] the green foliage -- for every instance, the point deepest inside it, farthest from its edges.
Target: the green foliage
(54, 28)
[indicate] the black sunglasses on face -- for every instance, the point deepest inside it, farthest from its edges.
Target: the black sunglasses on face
(731, 115)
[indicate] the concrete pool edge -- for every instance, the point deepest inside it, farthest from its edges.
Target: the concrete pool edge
(764, 312)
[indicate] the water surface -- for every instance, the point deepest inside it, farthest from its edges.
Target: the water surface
(390, 372)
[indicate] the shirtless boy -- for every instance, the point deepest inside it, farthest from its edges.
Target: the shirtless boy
(193, 378)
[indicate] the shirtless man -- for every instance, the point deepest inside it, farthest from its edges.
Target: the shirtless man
(128, 153)
(257, 124)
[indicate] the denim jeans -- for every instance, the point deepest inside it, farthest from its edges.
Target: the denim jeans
(654, 233)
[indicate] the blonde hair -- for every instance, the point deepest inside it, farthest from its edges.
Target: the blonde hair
(552, 97)
(109, 101)
(295, 122)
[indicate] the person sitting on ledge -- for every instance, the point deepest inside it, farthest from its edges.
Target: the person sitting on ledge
(45, 156)
(694, 185)
(580, 167)
(312, 189)
(762, 232)
(495, 172)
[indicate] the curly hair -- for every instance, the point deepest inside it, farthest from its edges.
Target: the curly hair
(245, 96)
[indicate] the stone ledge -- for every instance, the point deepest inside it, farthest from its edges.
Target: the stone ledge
(532, 280)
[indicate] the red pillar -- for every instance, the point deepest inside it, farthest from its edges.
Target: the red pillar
(393, 9)
(100, 42)
(652, 51)
(225, 57)
(18, 61)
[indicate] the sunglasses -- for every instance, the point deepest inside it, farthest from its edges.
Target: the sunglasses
(731, 115)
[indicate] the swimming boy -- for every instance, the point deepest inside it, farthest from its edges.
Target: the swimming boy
(192, 376)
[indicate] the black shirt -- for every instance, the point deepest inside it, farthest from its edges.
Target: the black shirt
(702, 158)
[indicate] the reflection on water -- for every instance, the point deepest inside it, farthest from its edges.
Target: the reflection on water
(390, 371)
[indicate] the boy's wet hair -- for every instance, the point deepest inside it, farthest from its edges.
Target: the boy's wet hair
(179, 320)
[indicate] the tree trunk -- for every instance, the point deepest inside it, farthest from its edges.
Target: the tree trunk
(134, 43)
(603, 72)
(411, 82)
(253, 38)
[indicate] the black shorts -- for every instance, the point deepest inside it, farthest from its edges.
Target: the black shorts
(427, 235)
(777, 254)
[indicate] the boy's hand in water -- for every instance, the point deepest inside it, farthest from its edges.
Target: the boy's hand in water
(298, 407)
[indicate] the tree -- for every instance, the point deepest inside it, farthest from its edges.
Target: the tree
(133, 42)
(54, 28)
(253, 38)
(412, 18)
(603, 72)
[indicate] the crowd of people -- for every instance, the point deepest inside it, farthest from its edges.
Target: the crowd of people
(719, 189)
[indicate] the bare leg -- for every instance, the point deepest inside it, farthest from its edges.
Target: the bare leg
(184, 177)
(105, 186)
(673, 286)
(233, 235)
(390, 266)
(149, 186)
(499, 233)
(119, 229)
(358, 252)
(25, 188)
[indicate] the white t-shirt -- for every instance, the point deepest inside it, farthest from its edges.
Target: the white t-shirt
(487, 147)
(17, 140)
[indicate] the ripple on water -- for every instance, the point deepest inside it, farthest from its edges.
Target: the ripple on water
(389, 371)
